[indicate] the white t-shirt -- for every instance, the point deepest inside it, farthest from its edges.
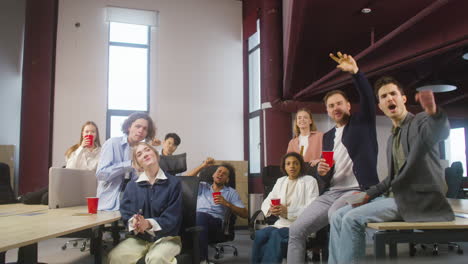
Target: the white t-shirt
(343, 177)
(303, 141)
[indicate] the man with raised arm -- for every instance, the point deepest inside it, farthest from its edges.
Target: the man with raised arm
(414, 189)
(354, 143)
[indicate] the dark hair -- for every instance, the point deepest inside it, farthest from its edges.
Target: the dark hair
(230, 168)
(384, 80)
(76, 146)
(298, 157)
(333, 92)
(139, 115)
(297, 131)
(173, 136)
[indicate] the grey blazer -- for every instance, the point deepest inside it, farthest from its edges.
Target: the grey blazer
(419, 187)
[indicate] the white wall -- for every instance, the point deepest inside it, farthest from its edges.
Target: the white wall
(12, 14)
(196, 74)
(384, 125)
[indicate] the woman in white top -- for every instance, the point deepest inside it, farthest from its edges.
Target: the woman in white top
(307, 140)
(295, 192)
(85, 154)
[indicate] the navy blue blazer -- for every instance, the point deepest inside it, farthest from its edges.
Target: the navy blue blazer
(359, 137)
(161, 201)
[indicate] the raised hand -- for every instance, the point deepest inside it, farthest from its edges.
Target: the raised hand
(323, 167)
(345, 62)
(427, 101)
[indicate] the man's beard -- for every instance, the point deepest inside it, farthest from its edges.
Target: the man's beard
(344, 120)
(219, 184)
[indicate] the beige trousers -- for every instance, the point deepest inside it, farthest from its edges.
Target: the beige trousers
(129, 251)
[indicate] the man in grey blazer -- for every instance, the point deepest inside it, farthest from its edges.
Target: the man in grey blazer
(414, 189)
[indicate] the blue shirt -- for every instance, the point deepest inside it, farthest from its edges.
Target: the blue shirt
(205, 202)
(115, 162)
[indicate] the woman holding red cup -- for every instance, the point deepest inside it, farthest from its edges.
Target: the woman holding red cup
(85, 154)
(290, 196)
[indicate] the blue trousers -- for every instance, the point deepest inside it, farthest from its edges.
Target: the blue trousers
(211, 226)
(270, 245)
(348, 227)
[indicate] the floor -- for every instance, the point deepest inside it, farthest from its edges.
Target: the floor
(50, 251)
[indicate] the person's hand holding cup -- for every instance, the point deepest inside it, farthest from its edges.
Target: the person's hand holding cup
(216, 196)
(88, 141)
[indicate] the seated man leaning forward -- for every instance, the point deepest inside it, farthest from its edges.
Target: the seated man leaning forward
(152, 207)
(211, 211)
(115, 164)
(355, 159)
(414, 188)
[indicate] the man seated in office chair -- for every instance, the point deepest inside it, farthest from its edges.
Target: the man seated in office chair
(213, 202)
(115, 164)
(414, 189)
(169, 146)
(152, 207)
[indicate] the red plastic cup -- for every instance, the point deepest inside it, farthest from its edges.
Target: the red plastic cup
(92, 204)
(328, 156)
(216, 194)
(91, 140)
(276, 201)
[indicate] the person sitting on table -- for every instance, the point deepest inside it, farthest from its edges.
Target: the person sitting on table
(353, 141)
(211, 211)
(152, 209)
(414, 190)
(307, 140)
(115, 165)
(85, 154)
(295, 192)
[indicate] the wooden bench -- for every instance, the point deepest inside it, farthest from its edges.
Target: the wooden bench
(392, 233)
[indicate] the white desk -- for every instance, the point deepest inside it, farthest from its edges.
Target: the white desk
(25, 230)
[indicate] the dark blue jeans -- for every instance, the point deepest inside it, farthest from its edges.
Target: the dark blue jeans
(270, 245)
(211, 226)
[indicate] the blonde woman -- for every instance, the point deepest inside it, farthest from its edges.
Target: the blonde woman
(152, 208)
(307, 140)
(85, 154)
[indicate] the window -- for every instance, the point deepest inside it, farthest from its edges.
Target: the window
(129, 65)
(455, 147)
(254, 103)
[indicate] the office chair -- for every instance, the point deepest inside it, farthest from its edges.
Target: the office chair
(454, 180)
(219, 242)
(316, 243)
(7, 195)
(189, 232)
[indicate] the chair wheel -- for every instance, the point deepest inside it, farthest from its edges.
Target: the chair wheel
(423, 247)
(216, 256)
(460, 251)
(236, 253)
(221, 250)
(64, 247)
(412, 250)
(75, 243)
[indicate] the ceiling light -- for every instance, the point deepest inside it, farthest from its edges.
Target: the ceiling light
(465, 56)
(437, 88)
(366, 10)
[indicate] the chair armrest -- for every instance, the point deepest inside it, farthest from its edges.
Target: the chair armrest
(194, 229)
(253, 223)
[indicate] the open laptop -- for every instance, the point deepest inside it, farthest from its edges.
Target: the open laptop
(70, 187)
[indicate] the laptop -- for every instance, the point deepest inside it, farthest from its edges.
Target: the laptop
(70, 187)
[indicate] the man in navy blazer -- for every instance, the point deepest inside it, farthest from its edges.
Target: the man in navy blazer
(414, 189)
(353, 140)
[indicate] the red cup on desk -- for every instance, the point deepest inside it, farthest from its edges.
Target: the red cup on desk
(328, 156)
(92, 204)
(276, 201)
(90, 139)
